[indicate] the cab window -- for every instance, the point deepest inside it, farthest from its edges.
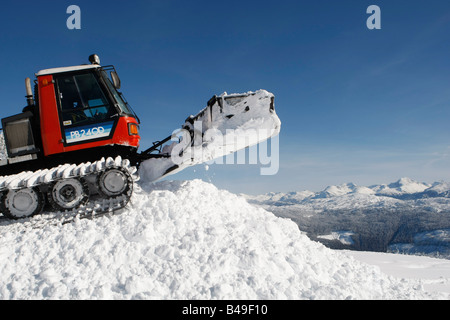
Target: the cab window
(82, 100)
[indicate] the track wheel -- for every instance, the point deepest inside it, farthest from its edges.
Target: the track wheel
(23, 203)
(68, 194)
(115, 182)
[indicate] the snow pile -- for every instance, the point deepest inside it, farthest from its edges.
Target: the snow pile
(185, 240)
(232, 123)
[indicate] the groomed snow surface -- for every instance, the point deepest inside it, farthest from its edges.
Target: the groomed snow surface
(186, 240)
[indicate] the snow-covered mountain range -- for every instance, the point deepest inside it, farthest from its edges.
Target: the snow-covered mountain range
(406, 216)
(404, 188)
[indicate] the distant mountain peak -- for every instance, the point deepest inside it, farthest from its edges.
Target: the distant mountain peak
(407, 185)
(405, 188)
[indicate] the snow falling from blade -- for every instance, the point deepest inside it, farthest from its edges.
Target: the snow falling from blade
(230, 122)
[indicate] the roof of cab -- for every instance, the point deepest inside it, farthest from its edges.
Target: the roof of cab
(66, 69)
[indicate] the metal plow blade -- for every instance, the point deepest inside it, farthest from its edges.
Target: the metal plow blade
(227, 124)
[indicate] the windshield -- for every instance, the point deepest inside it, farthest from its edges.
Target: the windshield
(124, 108)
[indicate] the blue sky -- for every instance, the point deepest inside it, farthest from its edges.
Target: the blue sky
(359, 105)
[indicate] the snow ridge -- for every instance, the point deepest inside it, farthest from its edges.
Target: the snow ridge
(185, 240)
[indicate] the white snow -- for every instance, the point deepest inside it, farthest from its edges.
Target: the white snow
(433, 274)
(238, 122)
(404, 193)
(402, 186)
(186, 240)
(440, 187)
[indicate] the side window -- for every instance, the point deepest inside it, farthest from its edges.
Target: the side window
(68, 94)
(82, 100)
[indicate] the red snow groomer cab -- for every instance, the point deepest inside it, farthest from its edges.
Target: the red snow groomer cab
(77, 115)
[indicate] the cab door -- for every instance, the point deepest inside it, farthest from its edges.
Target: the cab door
(85, 112)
